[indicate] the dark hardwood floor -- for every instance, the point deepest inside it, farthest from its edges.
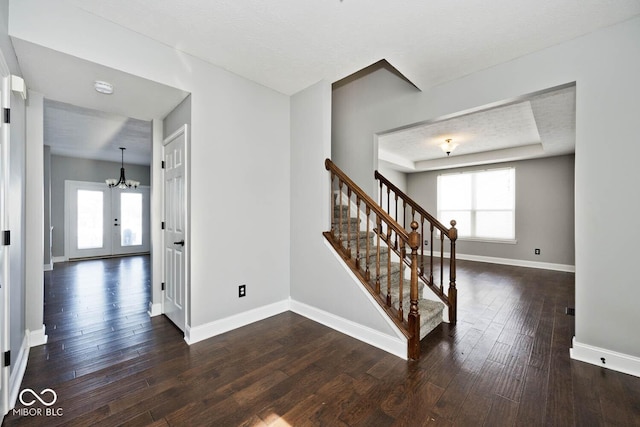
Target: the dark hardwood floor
(505, 363)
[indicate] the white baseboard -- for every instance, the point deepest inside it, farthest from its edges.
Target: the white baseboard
(17, 374)
(393, 345)
(515, 262)
(37, 337)
(613, 360)
(47, 267)
(154, 309)
(56, 259)
(198, 333)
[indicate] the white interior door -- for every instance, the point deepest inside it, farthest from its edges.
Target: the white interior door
(103, 221)
(175, 233)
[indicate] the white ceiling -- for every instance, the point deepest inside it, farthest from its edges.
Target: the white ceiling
(541, 125)
(80, 122)
(81, 132)
(289, 45)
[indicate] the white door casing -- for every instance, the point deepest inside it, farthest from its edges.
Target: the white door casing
(175, 243)
(106, 219)
(4, 251)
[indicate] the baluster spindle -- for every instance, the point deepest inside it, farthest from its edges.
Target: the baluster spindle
(378, 232)
(340, 213)
(367, 273)
(395, 243)
(332, 196)
(349, 222)
(441, 260)
(421, 270)
(388, 268)
(401, 283)
(431, 257)
(404, 214)
(380, 198)
(358, 232)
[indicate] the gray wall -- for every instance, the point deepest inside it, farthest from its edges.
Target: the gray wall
(360, 109)
(544, 210)
(318, 279)
(176, 118)
(75, 169)
(399, 179)
(5, 42)
(605, 65)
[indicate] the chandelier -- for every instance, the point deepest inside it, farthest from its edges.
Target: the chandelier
(122, 182)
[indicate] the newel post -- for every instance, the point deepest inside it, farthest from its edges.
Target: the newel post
(453, 291)
(414, 315)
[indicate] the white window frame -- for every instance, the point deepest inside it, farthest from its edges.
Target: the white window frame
(474, 210)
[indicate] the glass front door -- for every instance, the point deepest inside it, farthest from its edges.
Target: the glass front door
(101, 221)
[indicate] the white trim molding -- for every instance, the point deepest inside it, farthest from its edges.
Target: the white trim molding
(195, 334)
(388, 343)
(57, 259)
(154, 309)
(612, 360)
(37, 337)
(17, 374)
(47, 267)
(514, 262)
(394, 345)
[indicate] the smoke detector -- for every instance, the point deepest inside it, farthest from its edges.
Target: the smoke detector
(103, 87)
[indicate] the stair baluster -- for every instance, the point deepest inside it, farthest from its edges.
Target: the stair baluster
(444, 232)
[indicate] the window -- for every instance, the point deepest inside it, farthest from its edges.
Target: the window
(481, 202)
(90, 219)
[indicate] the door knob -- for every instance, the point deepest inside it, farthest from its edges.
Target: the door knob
(181, 243)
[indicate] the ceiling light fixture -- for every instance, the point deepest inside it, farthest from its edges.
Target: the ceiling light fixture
(122, 182)
(448, 147)
(103, 87)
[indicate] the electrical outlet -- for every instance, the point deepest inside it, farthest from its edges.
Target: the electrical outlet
(426, 242)
(242, 291)
(537, 251)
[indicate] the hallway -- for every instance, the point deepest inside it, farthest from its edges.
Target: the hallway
(95, 311)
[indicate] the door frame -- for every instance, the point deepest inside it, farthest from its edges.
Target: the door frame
(5, 284)
(181, 131)
(108, 233)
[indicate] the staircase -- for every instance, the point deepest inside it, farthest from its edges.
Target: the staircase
(430, 311)
(385, 256)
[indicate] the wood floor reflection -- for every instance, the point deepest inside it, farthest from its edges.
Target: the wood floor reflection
(505, 363)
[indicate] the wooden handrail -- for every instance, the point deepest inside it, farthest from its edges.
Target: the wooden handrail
(386, 231)
(449, 297)
(368, 200)
(433, 220)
